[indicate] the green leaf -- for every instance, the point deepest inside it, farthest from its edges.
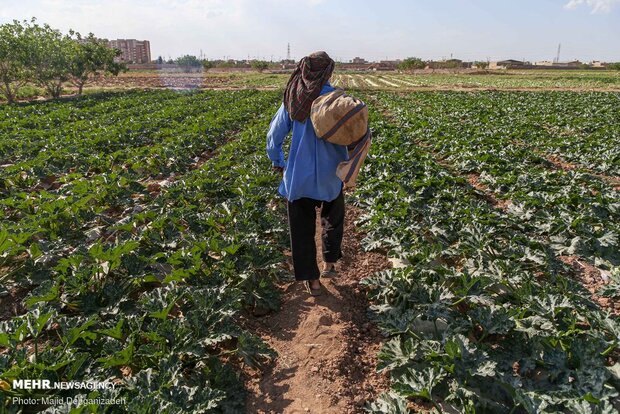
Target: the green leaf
(419, 383)
(5, 242)
(34, 251)
(119, 358)
(81, 332)
(116, 332)
(388, 403)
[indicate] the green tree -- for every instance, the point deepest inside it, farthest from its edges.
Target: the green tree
(259, 65)
(613, 66)
(51, 57)
(451, 64)
(91, 58)
(412, 63)
(225, 64)
(481, 65)
(207, 64)
(188, 62)
(15, 70)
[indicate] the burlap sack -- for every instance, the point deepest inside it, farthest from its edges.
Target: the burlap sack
(339, 118)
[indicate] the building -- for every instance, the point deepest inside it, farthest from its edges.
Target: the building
(574, 64)
(383, 65)
(507, 64)
(358, 61)
(565, 65)
(132, 50)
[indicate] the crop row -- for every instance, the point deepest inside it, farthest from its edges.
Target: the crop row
(140, 133)
(144, 287)
(484, 317)
(481, 134)
(79, 206)
(496, 79)
(580, 128)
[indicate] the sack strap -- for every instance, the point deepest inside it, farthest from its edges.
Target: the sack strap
(348, 170)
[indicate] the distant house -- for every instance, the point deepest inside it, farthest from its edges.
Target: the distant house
(507, 64)
(358, 61)
(545, 65)
(384, 65)
(568, 65)
(573, 64)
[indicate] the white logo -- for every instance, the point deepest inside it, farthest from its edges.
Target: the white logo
(38, 384)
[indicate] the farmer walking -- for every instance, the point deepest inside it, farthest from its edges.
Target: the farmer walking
(309, 179)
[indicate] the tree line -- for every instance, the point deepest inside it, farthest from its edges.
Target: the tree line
(189, 62)
(38, 54)
(413, 63)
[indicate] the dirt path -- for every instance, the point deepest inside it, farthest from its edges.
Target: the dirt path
(326, 346)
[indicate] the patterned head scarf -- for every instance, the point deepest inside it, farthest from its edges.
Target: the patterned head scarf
(305, 84)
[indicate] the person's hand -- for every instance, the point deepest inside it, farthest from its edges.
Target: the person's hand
(278, 169)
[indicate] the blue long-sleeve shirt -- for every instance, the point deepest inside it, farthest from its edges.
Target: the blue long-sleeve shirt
(310, 170)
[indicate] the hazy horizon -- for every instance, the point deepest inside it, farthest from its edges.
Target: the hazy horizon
(468, 30)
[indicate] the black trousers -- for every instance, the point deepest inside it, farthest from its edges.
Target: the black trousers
(302, 225)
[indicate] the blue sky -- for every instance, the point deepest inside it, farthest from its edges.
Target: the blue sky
(430, 29)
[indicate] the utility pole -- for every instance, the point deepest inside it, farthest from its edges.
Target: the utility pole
(288, 51)
(557, 58)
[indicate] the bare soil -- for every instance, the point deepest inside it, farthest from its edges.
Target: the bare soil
(326, 345)
(177, 81)
(214, 80)
(474, 181)
(11, 304)
(591, 278)
(561, 164)
(558, 163)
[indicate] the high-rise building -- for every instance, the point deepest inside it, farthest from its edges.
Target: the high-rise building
(132, 50)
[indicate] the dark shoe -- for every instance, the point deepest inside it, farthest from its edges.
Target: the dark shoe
(329, 273)
(311, 290)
